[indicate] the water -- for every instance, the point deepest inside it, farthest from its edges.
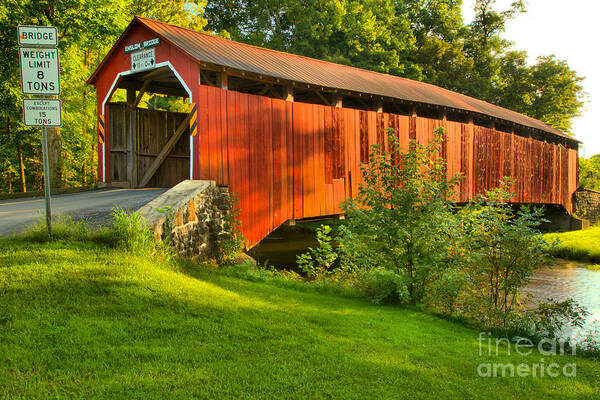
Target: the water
(281, 247)
(569, 279)
(564, 280)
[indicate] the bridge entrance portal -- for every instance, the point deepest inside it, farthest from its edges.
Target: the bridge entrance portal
(149, 147)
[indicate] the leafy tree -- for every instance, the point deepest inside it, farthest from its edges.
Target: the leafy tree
(548, 90)
(589, 172)
(402, 218)
(168, 103)
(440, 35)
(484, 45)
(558, 95)
(367, 33)
(9, 173)
(504, 248)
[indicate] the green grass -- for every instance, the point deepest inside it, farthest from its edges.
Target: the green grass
(80, 319)
(577, 245)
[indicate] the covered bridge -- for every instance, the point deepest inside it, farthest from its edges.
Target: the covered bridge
(287, 133)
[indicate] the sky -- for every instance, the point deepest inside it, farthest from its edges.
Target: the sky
(571, 31)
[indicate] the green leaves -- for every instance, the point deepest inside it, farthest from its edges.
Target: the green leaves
(504, 249)
(402, 219)
(589, 172)
(319, 261)
(367, 34)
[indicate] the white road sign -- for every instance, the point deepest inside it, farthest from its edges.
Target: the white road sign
(42, 112)
(38, 36)
(39, 71)
(142, 45)
(142, 60)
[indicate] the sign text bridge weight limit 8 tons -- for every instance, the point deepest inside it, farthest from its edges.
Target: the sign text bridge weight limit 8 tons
(40, 75)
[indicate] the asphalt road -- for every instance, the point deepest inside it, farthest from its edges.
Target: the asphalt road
(94, 206)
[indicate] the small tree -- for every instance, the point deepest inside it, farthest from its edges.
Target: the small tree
(402, 217)
(504, 249)
(320, 260)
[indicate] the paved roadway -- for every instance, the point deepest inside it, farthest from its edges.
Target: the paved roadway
(94, 206)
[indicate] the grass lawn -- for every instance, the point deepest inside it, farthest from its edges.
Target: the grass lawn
(82, 320)
(578, 245)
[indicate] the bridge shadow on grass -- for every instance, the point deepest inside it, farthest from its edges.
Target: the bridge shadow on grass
(104, 337)
(88, 323)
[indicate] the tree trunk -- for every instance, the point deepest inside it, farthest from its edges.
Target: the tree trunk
(20, 157)
(93, 170)
(83, 172)
(21, 169)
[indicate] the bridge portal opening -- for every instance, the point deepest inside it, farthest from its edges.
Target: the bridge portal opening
(149, 139)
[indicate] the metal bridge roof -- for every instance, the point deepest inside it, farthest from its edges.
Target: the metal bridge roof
(291, 67)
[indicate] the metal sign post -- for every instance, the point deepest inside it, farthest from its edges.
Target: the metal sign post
(40, 75)
(46, 179)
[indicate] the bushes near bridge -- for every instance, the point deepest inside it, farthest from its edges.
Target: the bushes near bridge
(405, 242)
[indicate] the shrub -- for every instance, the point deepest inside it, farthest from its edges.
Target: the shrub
(385, 286)
(129, 231)
(503, 249)
(549, 318)
(444, 293)
(319, 261)
(402, 217)
(590, 343)
(227, 235)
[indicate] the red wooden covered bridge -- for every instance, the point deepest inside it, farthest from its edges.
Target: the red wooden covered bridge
(287, 133)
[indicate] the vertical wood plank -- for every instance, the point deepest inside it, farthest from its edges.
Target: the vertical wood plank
(321, 182)
(278, 149)
(289, 159)
(347, 150)
(364, 136)
(224, 175)
(267, 113)
(329, 144)
(340, 135)
(298, 140)
(203, 132)
(214, 118)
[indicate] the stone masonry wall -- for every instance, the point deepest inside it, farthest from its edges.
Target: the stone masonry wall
(198, 209)
(586, 204)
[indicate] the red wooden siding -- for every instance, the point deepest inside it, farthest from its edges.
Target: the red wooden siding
(285, 160)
